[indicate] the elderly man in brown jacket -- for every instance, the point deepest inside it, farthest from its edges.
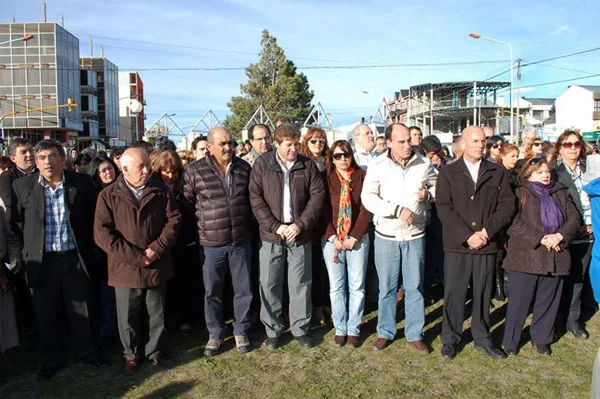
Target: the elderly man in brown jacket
(137, 222)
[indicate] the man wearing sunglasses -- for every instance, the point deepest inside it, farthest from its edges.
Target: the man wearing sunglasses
(398, 189)
(260, 139)
(474, 202)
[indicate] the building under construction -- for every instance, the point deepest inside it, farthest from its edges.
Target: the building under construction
(452, 106)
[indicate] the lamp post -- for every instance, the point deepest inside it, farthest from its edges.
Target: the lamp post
(135, 107)
(23, 39)
(478, 36)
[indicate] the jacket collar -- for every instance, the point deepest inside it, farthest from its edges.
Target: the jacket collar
(271, 161)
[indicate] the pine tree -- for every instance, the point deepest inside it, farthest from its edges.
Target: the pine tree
(273, 82)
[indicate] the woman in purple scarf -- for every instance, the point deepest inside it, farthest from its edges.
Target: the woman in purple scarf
(538, 256)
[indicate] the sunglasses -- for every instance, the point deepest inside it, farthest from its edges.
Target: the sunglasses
(315, 141)
(532, 162)
(496, 146)
(569, 145)
(537, 144)
(338, 155)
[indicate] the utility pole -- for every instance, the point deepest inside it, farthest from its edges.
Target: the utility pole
(518, 139)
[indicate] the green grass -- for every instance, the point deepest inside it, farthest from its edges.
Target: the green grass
(325, 371)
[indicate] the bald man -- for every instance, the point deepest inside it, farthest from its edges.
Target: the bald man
(216, 188)
(137, 223)
(474, 202)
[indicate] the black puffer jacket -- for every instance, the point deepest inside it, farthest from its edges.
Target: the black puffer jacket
(223, 215)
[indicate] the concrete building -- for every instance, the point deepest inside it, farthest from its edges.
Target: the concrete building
(40, 72)
(108, 95)
(578, 107)
(452, 106)
(131, 88)
(537, 110)
(89, 103)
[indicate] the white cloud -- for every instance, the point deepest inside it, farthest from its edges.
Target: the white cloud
(561, 29)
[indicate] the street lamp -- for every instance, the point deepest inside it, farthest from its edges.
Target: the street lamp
(23, 39)
(478, 36)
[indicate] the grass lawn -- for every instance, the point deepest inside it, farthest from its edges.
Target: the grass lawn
(325, 371)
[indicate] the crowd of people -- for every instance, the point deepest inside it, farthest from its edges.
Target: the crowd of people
(291, 230)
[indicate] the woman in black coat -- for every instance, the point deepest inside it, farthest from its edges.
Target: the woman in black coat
(538, 256)
(185, 287)
(104, 172)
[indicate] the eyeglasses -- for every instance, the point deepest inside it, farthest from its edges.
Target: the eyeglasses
(496, 146)
(338, 155)
(537, 144)
(568, 145)
(315, 141)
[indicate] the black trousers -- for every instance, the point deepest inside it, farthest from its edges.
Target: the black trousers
(545, 293)
(130, 311)
(459, 270)
(581, 255)
(64, 289)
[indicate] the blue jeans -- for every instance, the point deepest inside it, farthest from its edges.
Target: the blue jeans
(389, 256)
(349, 272)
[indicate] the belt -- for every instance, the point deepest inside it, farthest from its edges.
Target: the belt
(57, 253)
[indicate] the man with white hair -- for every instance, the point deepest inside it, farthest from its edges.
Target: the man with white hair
(137, 223)
(364, 145)
(529, 137)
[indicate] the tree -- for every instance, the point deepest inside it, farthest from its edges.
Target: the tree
(273, 82)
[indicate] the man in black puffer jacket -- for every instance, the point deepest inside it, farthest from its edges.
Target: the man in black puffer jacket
(217, 187)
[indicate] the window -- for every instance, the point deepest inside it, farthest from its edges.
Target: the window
(596, 105)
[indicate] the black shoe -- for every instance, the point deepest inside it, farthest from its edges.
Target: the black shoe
(579, 332)
(272, 343)
(304, 341)
(511, 352)
(448, 351)
(97, 361)
(543, 350)
(491, 351)
(48, 371)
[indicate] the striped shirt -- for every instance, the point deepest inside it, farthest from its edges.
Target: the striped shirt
(57, 237)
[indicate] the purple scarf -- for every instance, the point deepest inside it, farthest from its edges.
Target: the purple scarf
(552, 217)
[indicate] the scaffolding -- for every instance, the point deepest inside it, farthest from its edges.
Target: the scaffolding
(452, 106)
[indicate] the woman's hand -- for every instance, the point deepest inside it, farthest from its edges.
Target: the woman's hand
(337, 244)
(350, 243)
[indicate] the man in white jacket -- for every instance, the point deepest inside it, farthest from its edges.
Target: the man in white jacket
(398, 189)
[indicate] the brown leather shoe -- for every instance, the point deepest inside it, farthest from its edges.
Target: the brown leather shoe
(421, 346)
(339, 340)
(381, 344)
(131, 366)
(352, 341)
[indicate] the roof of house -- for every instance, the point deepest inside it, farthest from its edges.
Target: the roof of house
(590, 88)
(401, 94)
(540, 101)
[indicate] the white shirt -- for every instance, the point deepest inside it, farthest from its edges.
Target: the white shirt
(287, 197)
(363, 157)
(473, 169)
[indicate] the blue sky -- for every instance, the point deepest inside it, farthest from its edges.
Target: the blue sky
(319, 33)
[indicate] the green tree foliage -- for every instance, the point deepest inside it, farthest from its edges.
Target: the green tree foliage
(273, 82)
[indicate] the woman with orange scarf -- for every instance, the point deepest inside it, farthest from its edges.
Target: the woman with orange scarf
(346, 242)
